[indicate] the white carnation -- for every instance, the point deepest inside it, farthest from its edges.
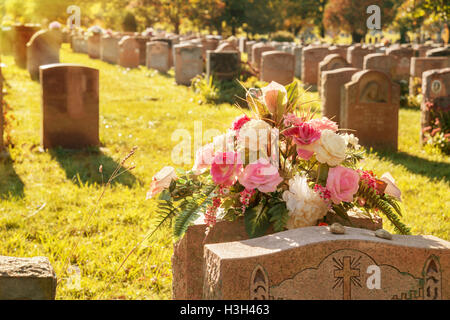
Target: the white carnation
(304, 204)
(254, 135)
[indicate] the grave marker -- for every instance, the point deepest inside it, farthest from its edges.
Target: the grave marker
(70, 106)
(277, 66)
(188, 63)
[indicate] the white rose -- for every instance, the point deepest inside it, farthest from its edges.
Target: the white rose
(254, 135)
(330, 149)
(304, 205)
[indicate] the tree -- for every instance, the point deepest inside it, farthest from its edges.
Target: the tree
(262, 16)
(129, 23)
(351, 16)
(207, 14)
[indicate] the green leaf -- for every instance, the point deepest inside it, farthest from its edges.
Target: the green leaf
(256, 221)
(292, 92)
(279, 216)
(165, 195)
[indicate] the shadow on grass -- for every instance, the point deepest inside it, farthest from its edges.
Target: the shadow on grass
(417, 165)
(83, 166)
(11, 186)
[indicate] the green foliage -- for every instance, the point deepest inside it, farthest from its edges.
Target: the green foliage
(257, 220)
(384, 203)
(283, 36)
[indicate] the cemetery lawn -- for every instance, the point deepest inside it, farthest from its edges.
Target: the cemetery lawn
(49, 199)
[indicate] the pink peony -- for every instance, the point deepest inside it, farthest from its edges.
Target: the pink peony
(239, 122)
(324, 123)
(342, 183)
(270, 95)
(225, 168)
(303, 134)
(203, 158)
(261, 175)
(161, 181)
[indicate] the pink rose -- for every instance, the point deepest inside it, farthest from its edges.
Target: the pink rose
(261, 175)
(161, 181)
(270, 95)
(342, 183)
(304, 154)
(303, 134)
(203, 158)
(239, 122)
(324, 123)
(291, 119)
(225, 168)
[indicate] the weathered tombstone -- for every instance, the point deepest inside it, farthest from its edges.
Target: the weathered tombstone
(27, 279)
(402, 62)
(330, 62)
(142, 43)
(257, 51)
(435, 90)
(109, 49)
(223, 65)
(43, 48)
(129, 52)
(158, 56)
(340, 50)
(332, 82)
(420, 65)
(297, 51)
(209, 44)
(312, 263)
(93, 45)
(226, 46)
(380, 62)
(22, 34)
(439, 52)
(277, 66)
(188, 259)
(370, 105)
(171, 43)
(248, 49)
(188, 63)
(70, 106)
(356, 53)
(311, 57)
(242, 42)
(421, 50)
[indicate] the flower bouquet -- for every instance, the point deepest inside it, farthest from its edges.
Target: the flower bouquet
(278, 167)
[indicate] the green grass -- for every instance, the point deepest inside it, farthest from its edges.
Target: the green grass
(46, 197)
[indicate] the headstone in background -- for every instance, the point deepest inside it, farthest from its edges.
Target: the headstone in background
(332, 82)
(188, 63)
(438, 52)
(223, 65)
(420, 50)
(209, 44)
(380, 62)
(93, 46)
(370, 106)
(257, 51)
(277, 66)
(70, 106)
(356, 53)
(340, 50)
(22, 34)
(330, 62)
(109, 49)
(435, 90)
(242, 42)
(27, 279)
(297, 52)
(226, 46)
(402, 62)
(248, 49)
(43, 48)
(142, 42)
(420, 65)
(171, 43)
(129, 56)
(313, 264)
(311, 57)
(158, 56)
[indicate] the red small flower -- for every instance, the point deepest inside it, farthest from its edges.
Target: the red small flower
(323, 224)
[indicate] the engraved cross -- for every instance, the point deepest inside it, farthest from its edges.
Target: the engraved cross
(346, 273)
